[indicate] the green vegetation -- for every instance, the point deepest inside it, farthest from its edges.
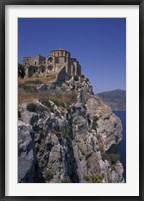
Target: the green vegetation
(28, 88)
(114, 158)
(31, 107)
(94, 178)
(66, 180)
(94, 123)
(68, 156)
(49, 174)
(66, 134)
(56, 127)
(57, 130)
(35, 82)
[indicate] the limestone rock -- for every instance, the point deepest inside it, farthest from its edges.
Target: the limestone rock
(26, 158)
(69, 144)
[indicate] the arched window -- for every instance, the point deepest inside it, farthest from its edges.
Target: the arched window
(50, 59)
(74, 70)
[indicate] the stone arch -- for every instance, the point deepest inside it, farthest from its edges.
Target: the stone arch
(50, 59)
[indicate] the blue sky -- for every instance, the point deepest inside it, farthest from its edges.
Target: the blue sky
(99, 44)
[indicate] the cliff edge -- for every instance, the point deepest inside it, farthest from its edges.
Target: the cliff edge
(65, 134)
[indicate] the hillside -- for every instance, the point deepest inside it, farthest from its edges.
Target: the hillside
(115, 99)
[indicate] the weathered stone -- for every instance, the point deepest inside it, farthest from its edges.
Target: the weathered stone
(26, 151)
(57, 60)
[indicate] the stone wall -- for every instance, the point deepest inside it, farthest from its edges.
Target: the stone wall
(56, 60)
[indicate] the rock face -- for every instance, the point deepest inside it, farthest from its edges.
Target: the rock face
(63, 144)
(26, 158)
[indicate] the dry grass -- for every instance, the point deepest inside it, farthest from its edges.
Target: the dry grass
(27, 87)
(24, 96)
(27, 92)
(60, 98)
(41, 79)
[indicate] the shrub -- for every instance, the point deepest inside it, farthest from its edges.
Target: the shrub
(94, 178)
(94, 123)
(31, 89)
(56, 127)
(57, 130)
(49, 174)
(31, 107)
(114, 157)
(66, 180)
(66, 134)
(33, 82)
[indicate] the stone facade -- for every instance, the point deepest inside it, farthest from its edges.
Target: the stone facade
(52, 64)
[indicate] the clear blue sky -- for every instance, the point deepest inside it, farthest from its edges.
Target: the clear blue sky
(99, 44)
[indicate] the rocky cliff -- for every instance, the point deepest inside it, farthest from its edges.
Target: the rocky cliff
(65, 136)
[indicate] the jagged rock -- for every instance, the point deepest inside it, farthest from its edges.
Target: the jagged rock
(26, 158)
(71, 143)
(29, 117)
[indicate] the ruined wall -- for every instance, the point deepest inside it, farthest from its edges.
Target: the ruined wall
(34, 61)
(56, 60)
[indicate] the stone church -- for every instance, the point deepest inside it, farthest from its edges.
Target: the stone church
(56, 61)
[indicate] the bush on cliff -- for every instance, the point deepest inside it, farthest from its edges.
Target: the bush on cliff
(114, 157)
(49, 174)
(31, 107)
(94, 178)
